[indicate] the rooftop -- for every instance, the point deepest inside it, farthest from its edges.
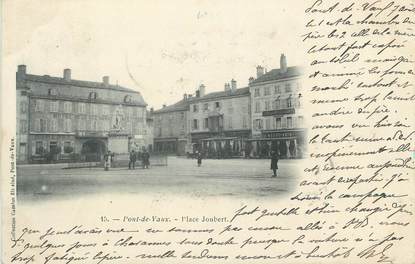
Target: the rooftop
(183, 104)
(276, 74)
(79, 83)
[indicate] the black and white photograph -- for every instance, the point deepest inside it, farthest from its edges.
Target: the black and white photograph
(161, 109)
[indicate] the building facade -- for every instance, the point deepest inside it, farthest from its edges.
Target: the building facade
(219, 122)
(277, 112)
(170, 129)
(64, 119)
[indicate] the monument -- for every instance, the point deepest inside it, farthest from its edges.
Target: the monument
(118, 136)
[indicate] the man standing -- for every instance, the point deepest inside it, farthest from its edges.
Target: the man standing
(107, 160)
(133, 159)
(274, 163)
(199, 159)
(146, 159)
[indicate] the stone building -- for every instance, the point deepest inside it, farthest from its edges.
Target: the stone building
(277, 112)
(170, 130)
(65, 119)
(219, 122)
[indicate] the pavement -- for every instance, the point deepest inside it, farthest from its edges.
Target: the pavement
(239, 178)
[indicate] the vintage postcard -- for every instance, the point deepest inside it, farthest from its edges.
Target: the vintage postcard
(193, 131)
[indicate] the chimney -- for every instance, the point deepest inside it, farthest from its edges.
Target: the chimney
(106, 80)
(283, 63)
(259, 71)
(21, 72)
(67, 74)
(202, 89)
(251, 79)
(185, 97)
(233, 85)
(227, 87)
(164, 105)
(21, 69)
(197, 93)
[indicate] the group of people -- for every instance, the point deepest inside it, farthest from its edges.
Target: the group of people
(143, 156)
(133, 157)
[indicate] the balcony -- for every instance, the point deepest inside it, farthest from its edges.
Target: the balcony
(91, 134)
(279, 112)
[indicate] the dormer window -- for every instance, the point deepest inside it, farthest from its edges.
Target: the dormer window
(52, 92)
(127, 99)
(93, 95)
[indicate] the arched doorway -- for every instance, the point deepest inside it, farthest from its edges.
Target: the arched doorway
(93, 150)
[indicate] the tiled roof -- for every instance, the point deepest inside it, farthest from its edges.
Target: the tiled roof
(88, 84)
(179, 106)
(216, 95)
(183, 105)
(276, 74)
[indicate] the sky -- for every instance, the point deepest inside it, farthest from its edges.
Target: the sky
(161, 48)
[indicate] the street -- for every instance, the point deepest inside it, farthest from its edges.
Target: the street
(239, 178)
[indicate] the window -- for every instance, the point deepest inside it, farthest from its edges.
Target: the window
(300, 121)
(195, 108)
(267, 105)
(244, 122)
(195, 124)
(93, 95)
(206, 123)
(289, 122)
(37, 125)
(257, 107)
(81, 108)
(206, 107)
(299, 99)
(217, 104)
(39, 148)
(53, 147)
(277, 89)
(258, 124)
(54, 106)
(288, 88)
(94, 109)
(268, 123)
(94, 125)
(23, 107)
(267, 91)
(52, 91)
(256, 92)
(67, 147)
(277, 104)
(22, 150)
(278, 122)
(230, 125)
(23, 126)
(39, 105)
(81, 124)
(43, 125)
(67, 125)
(54, 125)
(289, 102)
(105, 110)
(67, 107)
(127, 99)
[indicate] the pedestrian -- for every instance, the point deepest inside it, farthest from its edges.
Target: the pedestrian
(199, 159)
(133, 159)
(146, 159)
(107, 160)
(274, 163)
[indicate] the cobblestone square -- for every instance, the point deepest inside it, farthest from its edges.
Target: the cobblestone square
(239, 178)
